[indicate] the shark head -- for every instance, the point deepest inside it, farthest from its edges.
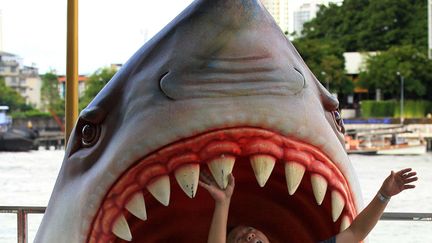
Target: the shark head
(220, 88)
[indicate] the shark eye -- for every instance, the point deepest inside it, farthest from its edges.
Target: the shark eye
(89, 134)
(339, 121)
(338, 117)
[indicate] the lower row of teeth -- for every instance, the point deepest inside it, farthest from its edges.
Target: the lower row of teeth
(187, 177)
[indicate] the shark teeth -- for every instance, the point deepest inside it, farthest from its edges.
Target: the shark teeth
(220, 168)
(319, 187)
(345, 223)
(187, 177)
(121, 228)
(136, 206)
(160, 189)
(187, 173)
(294, 174)
(262, 166)
(338, 204)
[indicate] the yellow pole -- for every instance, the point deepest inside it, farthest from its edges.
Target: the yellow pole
(71, 111)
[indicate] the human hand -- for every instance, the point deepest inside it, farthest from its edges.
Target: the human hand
(219, 195)
(398, 181)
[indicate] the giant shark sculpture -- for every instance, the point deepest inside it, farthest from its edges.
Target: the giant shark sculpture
(219, 87)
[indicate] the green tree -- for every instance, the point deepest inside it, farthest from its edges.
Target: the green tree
(371, 25)
(410, 62)
(11, 98)
(326, 61)
(50, 95)
(95, 83)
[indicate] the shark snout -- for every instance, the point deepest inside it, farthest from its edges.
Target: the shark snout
(230, 77)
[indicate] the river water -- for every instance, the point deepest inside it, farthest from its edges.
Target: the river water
(27, 178)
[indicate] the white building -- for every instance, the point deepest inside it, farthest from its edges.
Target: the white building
(305, 12)
(23, 79)
(33, 83)
(355, 62)
(279, 10)
(10, 69)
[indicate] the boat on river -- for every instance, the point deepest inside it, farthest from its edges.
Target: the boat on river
(12, 139)
(384, 142)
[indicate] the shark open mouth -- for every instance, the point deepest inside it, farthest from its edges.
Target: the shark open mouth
(306, 199)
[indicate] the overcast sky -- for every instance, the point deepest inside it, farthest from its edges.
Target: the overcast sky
(110, 31)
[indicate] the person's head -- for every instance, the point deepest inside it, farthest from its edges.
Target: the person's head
(247, 234)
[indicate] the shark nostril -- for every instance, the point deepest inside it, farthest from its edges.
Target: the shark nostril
(161, 85)
(304, 80)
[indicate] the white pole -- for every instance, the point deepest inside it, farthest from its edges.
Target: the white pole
(401, 96)
(402, 100)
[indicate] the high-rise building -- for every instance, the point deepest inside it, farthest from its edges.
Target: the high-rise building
(279, 10)
(306, 12)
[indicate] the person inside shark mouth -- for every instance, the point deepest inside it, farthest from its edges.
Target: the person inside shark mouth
(395, 183)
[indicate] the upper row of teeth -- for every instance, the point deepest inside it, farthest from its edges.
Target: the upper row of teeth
(187, 177)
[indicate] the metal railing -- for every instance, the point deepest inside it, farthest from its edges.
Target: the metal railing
(22, 212)
(22, 222)
(396, 216)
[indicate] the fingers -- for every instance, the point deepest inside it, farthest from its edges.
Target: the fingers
(409, 180)
(408, 175)
(403, 171)
(231, 180)
(206, 186)
(204, 179)
(408, 186)
(207, 178)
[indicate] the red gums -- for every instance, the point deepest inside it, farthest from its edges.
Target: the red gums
(201, 149)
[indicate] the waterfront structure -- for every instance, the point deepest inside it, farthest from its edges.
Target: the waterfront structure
(279, 10)
(23, 79)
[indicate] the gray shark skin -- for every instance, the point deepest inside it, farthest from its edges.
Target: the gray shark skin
(220, 67)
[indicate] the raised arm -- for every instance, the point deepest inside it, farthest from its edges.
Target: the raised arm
(367, 219)
(218, 227)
